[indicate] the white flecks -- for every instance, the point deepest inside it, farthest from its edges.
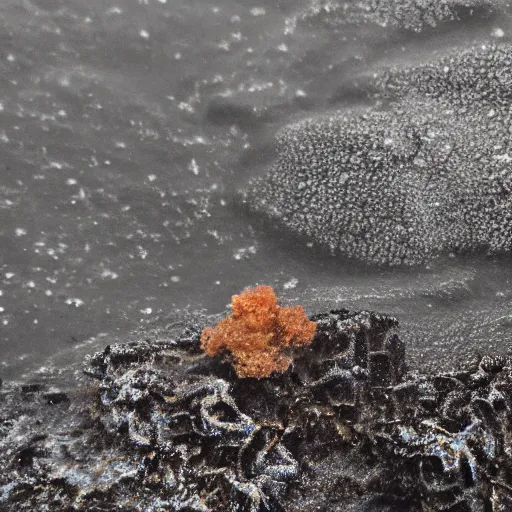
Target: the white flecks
(446, 69)
(175, 279)
(3, 137)
(223, 45)
(498, 32)
(146, 311)
(109, 274)
(143, 253)
(5, 321)
(20, 232)
(71, 181)
(193, 167)
(36, 321)
(75, 302)
(8, 275)
(107, 162)
(30, 284)
(282, 47)
(182, 105)
(177, 56)
(152, 177)
(115, 10)
(244, 252)
(62, 113)
(1, 107)
(120, 144)
(300, 93)
(503, 158)
(55, 165)
(235, 18)
(1, 293)
(48, 293)
(163, 1)
(258, 11)
(217, 282)
(11, 57)
(144, 34)
(1, 309)
(292, 283)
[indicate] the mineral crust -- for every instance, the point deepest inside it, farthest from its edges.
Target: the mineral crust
(347, 427)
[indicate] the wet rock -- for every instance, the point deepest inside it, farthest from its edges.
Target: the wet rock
(347, 427)
(425, 171)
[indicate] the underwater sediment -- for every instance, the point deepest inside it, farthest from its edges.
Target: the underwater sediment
(347, 426)
(423, 171)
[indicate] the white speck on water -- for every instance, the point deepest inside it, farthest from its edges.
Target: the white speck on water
(258, 11)
(5, 322)
(282, 47)
(244, 252)
(36, 321)
(8, 275)
(1, 293)
(193, 167)
(144, 34)
(11, 57)
(143, 253)
(498, 32)
(31, 284)
(146, 311)
(235, 19)
(292, 283)
(48, 293)
(75, 302)
(71, 181)
(163, 1)
(1, 107)
(177, 56)
(56, 165)
(1, 309)
(300, 93)
(446, 69)
(107, 162)
(224, 45)
(175, 279)
(186, 106)
(152, 177)
(109, 273)
(3, 137)
(20, 232)
(215, 10)
(62, 113)
(115, 10)
(120, 145)
(217, 282)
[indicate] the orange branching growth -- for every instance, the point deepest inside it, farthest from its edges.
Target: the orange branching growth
(259, 335)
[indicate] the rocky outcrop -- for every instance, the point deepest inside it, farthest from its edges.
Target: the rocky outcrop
(162, 426)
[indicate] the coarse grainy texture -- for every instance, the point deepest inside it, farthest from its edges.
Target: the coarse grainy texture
(259, 335)
(425, 171)
(345, 429)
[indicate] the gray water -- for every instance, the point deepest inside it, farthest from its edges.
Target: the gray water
(126, 130)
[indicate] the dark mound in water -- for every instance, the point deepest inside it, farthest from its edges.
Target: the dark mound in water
(425, 171)
(345, 428)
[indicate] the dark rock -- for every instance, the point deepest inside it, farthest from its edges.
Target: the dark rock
(164, 427)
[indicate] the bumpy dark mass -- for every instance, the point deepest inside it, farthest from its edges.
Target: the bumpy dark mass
(425, 171)
(345, 428)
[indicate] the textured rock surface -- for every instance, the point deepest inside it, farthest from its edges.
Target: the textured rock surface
(425, 171)
(165, 427)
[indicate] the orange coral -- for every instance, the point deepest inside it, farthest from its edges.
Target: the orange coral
(259, 335)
